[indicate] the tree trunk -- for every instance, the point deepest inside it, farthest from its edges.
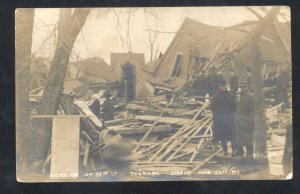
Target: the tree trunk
(260, 140)
(69, 26)
(24, 133)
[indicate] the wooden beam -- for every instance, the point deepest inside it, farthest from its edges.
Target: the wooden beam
(198, 129)
(86, 154)
(56, 116)
(166, 120)
(199, 144)
(83, 107)
(148, 132)
(206, 160)
(184, 128)
(140, 130)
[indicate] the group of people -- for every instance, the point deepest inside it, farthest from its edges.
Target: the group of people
(232, 106)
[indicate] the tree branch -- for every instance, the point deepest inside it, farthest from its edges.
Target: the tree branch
(255, 13)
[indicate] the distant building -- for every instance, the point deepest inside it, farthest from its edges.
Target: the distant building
(92, 75)
(95, 68)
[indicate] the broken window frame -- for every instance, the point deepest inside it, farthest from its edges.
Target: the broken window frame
(267, 65)
(177, 72)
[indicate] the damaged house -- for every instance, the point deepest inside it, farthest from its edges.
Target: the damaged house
(91, 75)
(197, 46)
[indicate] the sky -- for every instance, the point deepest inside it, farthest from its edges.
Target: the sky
(108, 30)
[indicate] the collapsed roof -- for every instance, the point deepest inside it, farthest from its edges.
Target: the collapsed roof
(198, 41)
(96, 69)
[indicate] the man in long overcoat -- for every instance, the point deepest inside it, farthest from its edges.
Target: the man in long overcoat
(234, 81)
(108, 108)
(212, 82)
(223, 106)
(282, 87)
(200, 85)
(95, 105)
(244, 121)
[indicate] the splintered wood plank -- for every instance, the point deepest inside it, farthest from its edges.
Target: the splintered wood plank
(148, 132)
(206, 160)
(83, 107)
(166, 120)
(139, 130)
(65, 147)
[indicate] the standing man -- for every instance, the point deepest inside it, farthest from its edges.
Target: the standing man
(244, 123)
(282, 87)
(223, 107)
(108, 108)
(95, 105)
(234, 81)
(200, 84)
(212, 82)
(249, 78)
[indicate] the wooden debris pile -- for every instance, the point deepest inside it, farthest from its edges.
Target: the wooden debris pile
(279, 122)
(180, 150)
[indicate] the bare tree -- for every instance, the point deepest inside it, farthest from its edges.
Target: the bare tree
(152, 44)
(260, 122)
(124, 31)
(153, 32)
(24, 133)
(69, 25)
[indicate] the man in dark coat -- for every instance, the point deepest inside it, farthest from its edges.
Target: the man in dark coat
(244, 121)
(223, 107)
(234, 81)
(282, 87)
(249, 78)
(212, 82)
(95, 105)
(108, 108)
(200, 85)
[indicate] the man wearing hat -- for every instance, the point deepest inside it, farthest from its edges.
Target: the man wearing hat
(95, 105)
(223, 107)
(108, 108)
(244, 120)
(282, 87)
(200, 84)
(234, 81)
(212, 81)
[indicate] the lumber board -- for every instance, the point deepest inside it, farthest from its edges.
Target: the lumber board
(55, 116)
(206, 160)
(140, 130)
(199, 144)
(86, 154)
(277, 139)
(148, 132)
(192, 133)
(115, 122)
(276, 169)
(184, 128)
(83, 106)
(165, 120)
(65, 147)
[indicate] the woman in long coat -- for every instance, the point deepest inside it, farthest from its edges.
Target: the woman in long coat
(244, 122)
